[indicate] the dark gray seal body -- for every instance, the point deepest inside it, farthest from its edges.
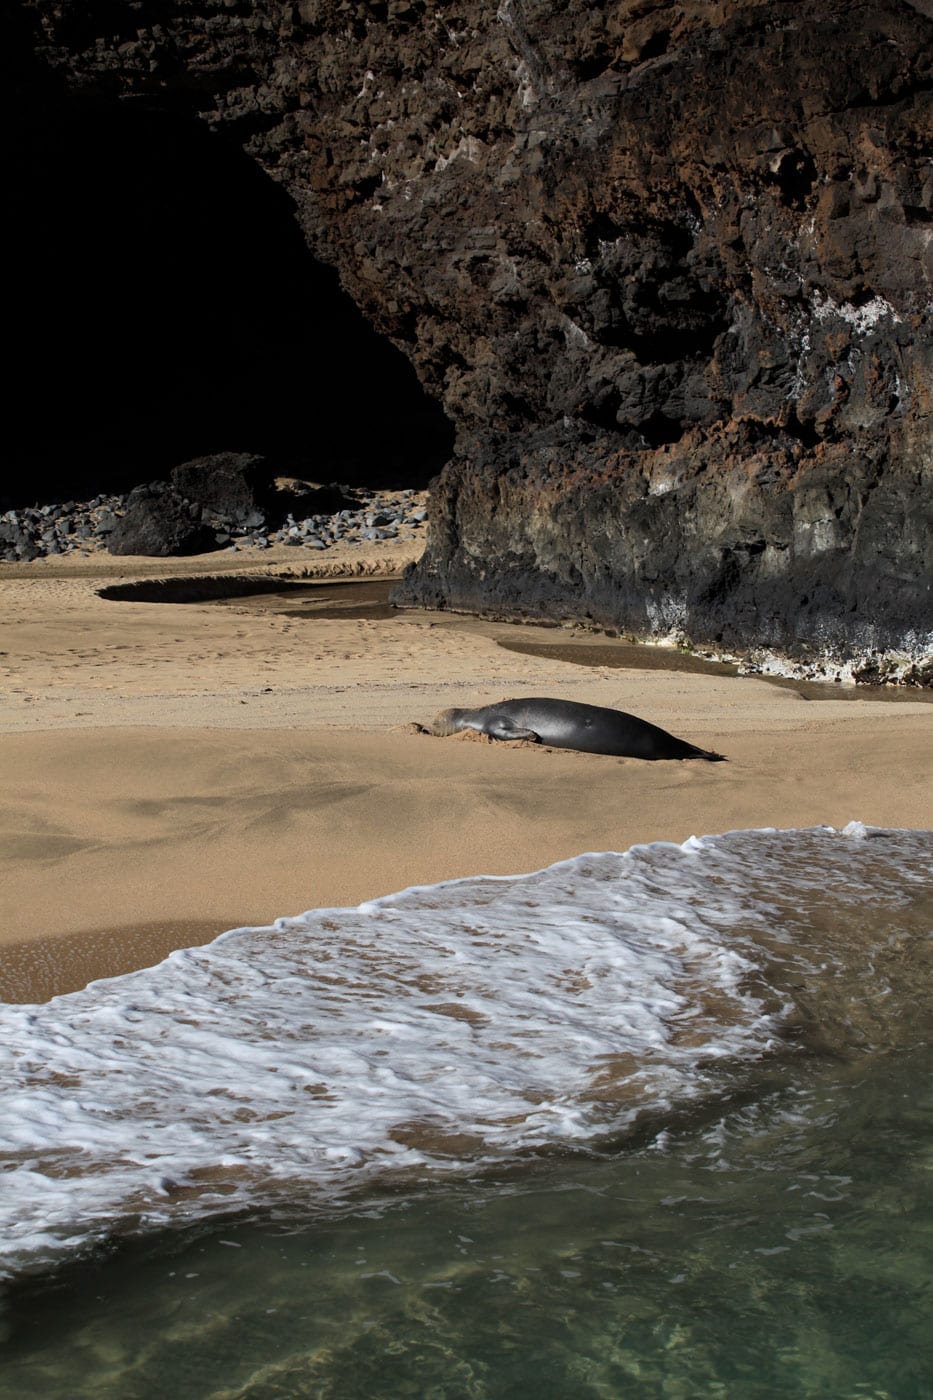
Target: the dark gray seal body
(566, 724)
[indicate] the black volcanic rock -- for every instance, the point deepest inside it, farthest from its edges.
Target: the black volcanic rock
(234, 485)
(159, 522)
(723, 545)
(664, 265)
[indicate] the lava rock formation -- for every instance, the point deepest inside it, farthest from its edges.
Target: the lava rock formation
(665, 266)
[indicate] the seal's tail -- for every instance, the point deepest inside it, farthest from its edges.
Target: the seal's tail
(707, 754)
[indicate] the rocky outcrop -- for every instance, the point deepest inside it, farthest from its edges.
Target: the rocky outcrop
(159, 522)
(730, 541)
(238, 485)
(663, 264)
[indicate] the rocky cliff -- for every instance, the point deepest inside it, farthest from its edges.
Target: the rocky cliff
(665, 265)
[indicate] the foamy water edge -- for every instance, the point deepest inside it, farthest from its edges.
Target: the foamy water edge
(429, 1032)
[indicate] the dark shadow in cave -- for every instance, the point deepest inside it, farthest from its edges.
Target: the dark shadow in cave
(164, 305)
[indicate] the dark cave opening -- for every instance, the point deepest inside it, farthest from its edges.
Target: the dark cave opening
(163, 305)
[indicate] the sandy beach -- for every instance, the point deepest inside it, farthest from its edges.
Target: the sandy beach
(173, 770)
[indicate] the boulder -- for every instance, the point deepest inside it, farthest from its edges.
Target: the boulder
(160, 522)
(231, 485)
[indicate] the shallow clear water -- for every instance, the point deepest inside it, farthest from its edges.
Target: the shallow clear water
(652, 1124)
(783, 1247)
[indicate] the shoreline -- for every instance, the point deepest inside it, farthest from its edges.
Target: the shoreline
(189, 767)
(872, 672)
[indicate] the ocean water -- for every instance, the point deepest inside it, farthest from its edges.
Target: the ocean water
(652, 1123)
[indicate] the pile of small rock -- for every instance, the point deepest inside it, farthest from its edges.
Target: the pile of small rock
(378, 516)
(84, 527)
(37, 531)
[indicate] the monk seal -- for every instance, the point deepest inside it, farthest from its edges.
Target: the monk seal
(566, 724)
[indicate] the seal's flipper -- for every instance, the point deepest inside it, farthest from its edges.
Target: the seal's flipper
(691, 751)
(501, 727)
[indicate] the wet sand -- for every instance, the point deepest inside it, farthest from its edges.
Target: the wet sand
(169, 771)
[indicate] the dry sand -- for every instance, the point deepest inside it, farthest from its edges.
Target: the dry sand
(169, 771)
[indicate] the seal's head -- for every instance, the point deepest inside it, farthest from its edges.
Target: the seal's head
(447, 722)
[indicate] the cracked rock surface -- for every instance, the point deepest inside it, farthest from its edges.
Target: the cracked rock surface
(666, 266)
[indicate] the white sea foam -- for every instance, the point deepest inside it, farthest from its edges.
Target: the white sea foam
(441, 1028)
